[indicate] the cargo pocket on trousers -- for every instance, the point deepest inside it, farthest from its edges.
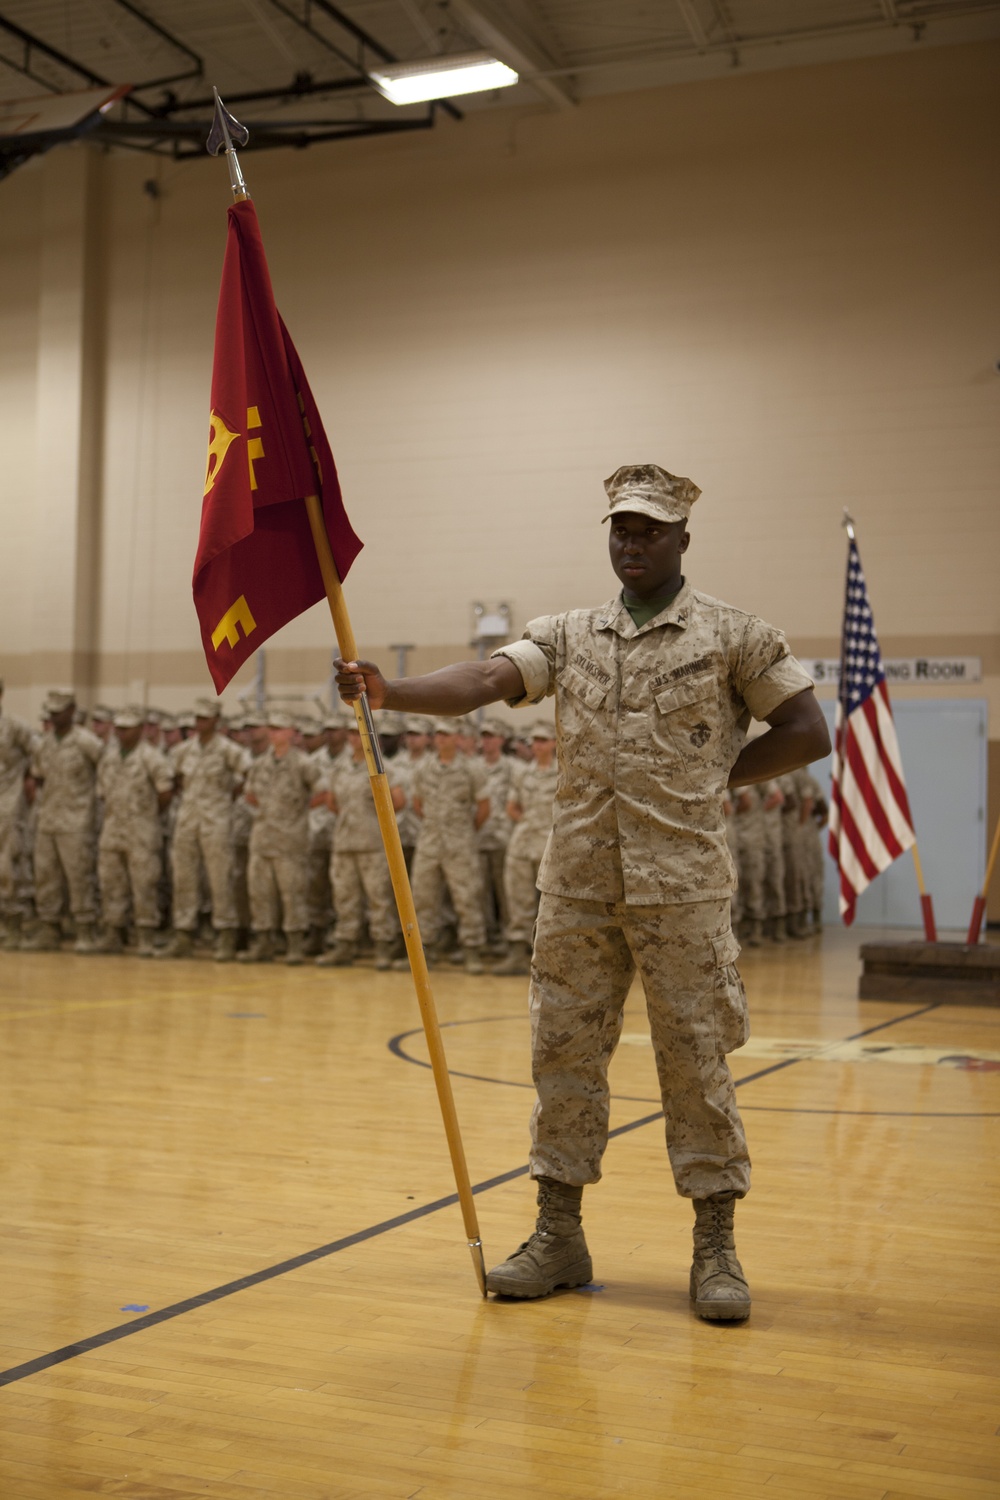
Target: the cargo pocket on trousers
(732, 1023)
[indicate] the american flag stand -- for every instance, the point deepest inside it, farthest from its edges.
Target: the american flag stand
(870, 820)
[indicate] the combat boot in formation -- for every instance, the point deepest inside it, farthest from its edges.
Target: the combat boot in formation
(385, 955)
(181, 945)
(719, 1290)
(556, 1254)
(516, 961)
(340, 956)
(110, 941)
(225, 945)
(12, 933)
(46, 938)
(260, 951)
(86, 938)
(294, 952)
(144, 946)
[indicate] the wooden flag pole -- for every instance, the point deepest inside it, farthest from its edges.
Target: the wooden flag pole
(401, 888)
(221, 140)
(979, 905)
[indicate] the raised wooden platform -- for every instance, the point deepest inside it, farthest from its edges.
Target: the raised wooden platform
(949, 973)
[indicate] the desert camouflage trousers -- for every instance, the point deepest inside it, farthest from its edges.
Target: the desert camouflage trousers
(15, 890)
(280, 875)
(193, 844)
(586, 955)
(492, 863)
(458, 871)
(522, 897)
(357, 880)
(320, 878)
(65, 860)
(127, 871)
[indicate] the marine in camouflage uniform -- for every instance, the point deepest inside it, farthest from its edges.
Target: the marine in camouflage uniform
(359, 872)
(328, 748)
(411, 753)
(65, 763)
(17, 746)
(135, 783)
(449, 797)
(494, 836)
(211, 770)
(529, 807)
(279, 787)
(654, 694)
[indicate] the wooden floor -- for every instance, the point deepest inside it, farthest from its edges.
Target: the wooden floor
(170, 1129)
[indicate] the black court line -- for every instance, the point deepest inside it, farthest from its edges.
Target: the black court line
(308, 1257)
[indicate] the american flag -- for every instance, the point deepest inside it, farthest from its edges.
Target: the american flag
(870, 822)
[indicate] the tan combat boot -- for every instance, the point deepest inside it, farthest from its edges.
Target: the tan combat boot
(260, 951)
(340, 956)
(474, 960)
(110, 941)
(12, 933)
(719, 1288)
(384, 955)
(555, 1256)
(86, 938)
(293, 952)
(517, 961)
(225, 945)
(181, 945)
(144, 942)
(755, 933)
(46, 938)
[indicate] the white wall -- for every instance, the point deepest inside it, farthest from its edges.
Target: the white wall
(783, 285)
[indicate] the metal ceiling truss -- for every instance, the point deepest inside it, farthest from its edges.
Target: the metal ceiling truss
(162, 128)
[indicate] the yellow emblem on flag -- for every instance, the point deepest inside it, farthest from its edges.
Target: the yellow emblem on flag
(228, 627)
(218, 446)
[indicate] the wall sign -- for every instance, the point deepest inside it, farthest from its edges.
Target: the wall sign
(920, 671)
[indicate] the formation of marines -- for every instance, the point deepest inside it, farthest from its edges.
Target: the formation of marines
(262, 829)
(137, 831)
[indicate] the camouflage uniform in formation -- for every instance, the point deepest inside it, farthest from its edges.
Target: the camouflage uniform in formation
(533, 789)
(17, 746)
(65, 834)
(637, 874)
(321, 825)
(211, 774)
(279, 839)
(404, 771)
(130, 847)
(493, 838)
(446, 854)
(359, 873)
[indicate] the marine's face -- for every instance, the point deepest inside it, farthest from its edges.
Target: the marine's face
(129, 738)
(646, 553)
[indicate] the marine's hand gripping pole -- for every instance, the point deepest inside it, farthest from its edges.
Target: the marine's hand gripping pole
(224, 130)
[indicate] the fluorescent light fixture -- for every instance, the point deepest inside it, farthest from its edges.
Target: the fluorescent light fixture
(441, 77)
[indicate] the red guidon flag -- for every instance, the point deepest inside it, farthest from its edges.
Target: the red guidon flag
(256, 567)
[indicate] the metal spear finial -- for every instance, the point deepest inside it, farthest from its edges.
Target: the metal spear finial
(226, 129)
(848, 523)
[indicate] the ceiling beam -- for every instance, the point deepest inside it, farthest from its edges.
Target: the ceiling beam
(515, 40)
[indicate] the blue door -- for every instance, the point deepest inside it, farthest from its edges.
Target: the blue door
(943, 747)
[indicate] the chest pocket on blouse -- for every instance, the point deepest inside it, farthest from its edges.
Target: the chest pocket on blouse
(578, 701)
(687, 720)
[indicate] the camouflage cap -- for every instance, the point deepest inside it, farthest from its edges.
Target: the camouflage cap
(418, 724)
(128, 718)
(150, 715)
(207, 708)
(278, 720)
(388, 721)
(102, 713)
(168, 721)
(254, 721)
(651, 491)
(448, 726)
(495, 726)
(185, 721)
(337, 721)
(542, 730)
(57, 700)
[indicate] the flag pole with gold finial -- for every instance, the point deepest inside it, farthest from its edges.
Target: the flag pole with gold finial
(225, 130)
